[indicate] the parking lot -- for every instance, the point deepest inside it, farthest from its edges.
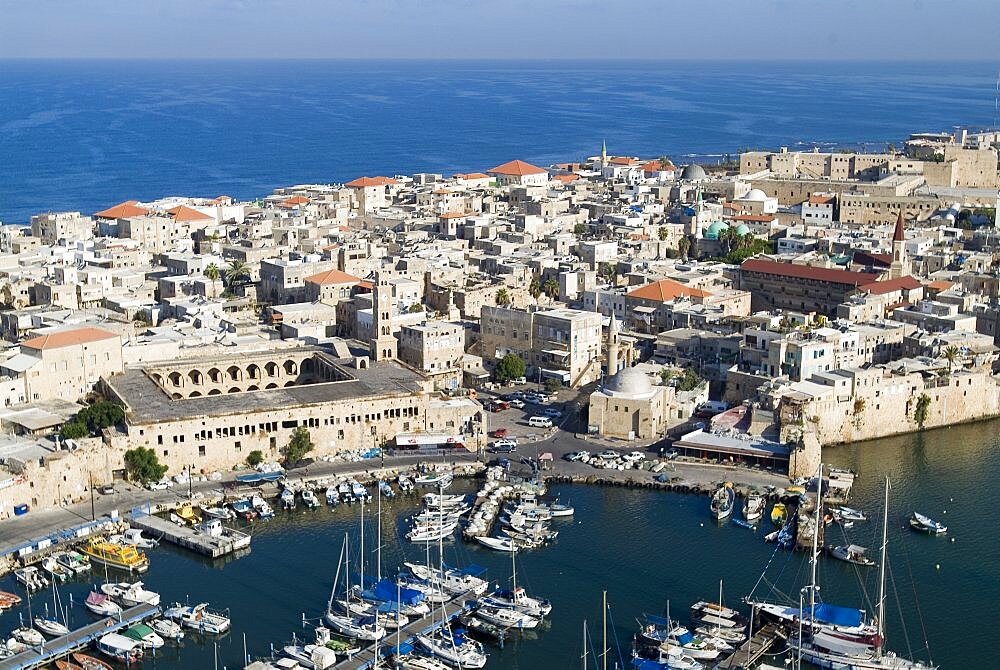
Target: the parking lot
(515, 406)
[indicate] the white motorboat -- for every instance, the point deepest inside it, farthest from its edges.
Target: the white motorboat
(101, 604)
(50, 627)
(120, 648)
(405, 483)
(559, 510)
(518, 599)
(214, 528)
(332, 497)
(130, 595)
(723, 501)
(144, 635)
(415, 662)
(73, 560)
(28, 636)
(344, 491)
(309, 499)
(288, 499)
(497, 543)
(441, 480)
(32, 578)
(166, 628)
(359, 491)
(455, 581)
(263, 509)
(431, 533)
(673, 659)
(361, 628)
(753, 508)
(732, 636)
(694, 646)
(454, 649)
(309, 655)
(851, 553)
(924, 524)
(505, 617)
(223, 513)
(199, 618)
(58, 572)
(437, 501)
(849, 514)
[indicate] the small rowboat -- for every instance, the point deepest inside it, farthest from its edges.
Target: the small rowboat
(90, 663)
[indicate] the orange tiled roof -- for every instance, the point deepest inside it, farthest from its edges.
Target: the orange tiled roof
(566, 178)
(820, 199)
(473, 175)
(940, 285)
(221, 200)
(363, 182)
(124, 210)
(452, 215)
(516, 168)
(904, 283)
(67, 338)
(666, 290)
(333, 277)
(622, 160)
(657, 166)
(185, 213)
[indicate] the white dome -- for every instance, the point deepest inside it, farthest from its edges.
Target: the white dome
(630, 382)
(755, 195)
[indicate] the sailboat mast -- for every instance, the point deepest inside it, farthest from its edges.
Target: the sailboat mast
(815, 547)
(361, 558)
(584, 656)
(604, 631)
(378, 554)
(881, 573)
(336, 577)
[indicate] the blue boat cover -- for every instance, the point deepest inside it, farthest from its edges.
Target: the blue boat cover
(657, 620)
(366, 620)
(402, 649)
(647, 664)
(472, 570)
(685, 638)
(387, 590)
(837, 615)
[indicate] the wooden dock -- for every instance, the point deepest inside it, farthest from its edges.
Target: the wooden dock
(183, 536)
(78, 639)
(751, 650)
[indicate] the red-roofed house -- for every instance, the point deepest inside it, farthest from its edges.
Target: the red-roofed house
(65, 363)
(330, 286)
(799, 288)
(660, 171)
(124, 210)
(519, 173)
(183, 213)
(373, 193)
(820, 208)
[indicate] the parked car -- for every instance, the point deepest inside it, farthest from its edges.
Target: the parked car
(553, 412)
(517, 404)
(576, 455)
(161, 485)
(633, 457)
(499, 432)
(608, 455)
(540, 422)
(106, 490)
(516, 395)
(504, 446)
(519, 380)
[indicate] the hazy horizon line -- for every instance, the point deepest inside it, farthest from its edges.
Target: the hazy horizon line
(539, 59)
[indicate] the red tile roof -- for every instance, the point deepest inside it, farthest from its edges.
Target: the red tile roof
(363, 182)
(622, 160)
(794, 271)
(516, 169)
(472, 175)
(452, 215)
(566, 178)
(940, 284)
(868, 258)
(907, 283)
(657, 166)
(67, 338)
(333, 277)
(221, 200)
(666, 290)
(820, 199)
(185, 213)
(295, 200)
(124, 210)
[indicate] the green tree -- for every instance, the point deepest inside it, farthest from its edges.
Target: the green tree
(237, 273)
(552, 385)
(503, 297)
(664, 233)
(920, 411)
(212, 274)
(143, 466)
(551, 288)
(74, 430)
(689, 381)
(509, 367)
(683, 246)
(535, 289)
(100, 415)
(298, 446)
(416, 307)
(665, 162)
(580, 229)
(255, 458)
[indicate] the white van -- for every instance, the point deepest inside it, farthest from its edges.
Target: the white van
(540, 422)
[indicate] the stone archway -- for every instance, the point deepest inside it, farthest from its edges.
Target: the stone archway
(272, 385)
(235, 373)
(215, 392)
(271, 369)
(290, 367)
(195, 376)
(215, 374)
(234, 389)
(195, 394)
(253, 387)
(175, 379)
(253, 371)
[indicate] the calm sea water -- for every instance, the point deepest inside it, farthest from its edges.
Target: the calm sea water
(645, 548)
(88, 134)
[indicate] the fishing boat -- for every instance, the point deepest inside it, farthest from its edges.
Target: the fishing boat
(243, 509)
(359, 491)
(116, 556)
(779, 514)
(454, 648)
(517, 598)
(185, 515)
(497, 543)
(332, 498)
(8, 600)
(439, 501)
(199, 617)
(851, 553)
(120, 648)
(723, 501)
(505, 616)
(559, 510)
(288, 499)
(385, 489)
(51, 627)
(66, 665)
(309, 499)
(405, 483)
(28, 636)
(483, 629)
(31, 578)
(344, 491)
(130, 595)
(135, 537)
(261, 507)
(57, 572)
(753, 508)
(923, 524)
(220, 512)
(166, 628)
(72, 560)
(431, 533)
(144, 635)
(441, 480)
(101, 604)
(90, 663)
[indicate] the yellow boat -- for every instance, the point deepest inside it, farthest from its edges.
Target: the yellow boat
(778, 514)
(123, 557)
(187, 514)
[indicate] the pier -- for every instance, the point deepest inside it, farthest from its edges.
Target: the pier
(189, 538)
(751, 650)
(78, 639)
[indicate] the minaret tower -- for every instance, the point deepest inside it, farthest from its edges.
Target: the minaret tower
(382, 346)
(612, 346)
(604, 153)
(900, 265)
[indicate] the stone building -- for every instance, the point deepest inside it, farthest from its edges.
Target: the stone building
(799, 288)
(62, 227)
(630, 407)
(433, 347)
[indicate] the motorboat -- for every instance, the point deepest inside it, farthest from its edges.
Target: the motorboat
(454, 648)
(62, 664)
(57, 572)
(166, 628)
(670, 658)
(696, 647)
(90, 663)
(31, 578)
(130, 595)
(518, 599)
(497, 543)
(144, 635)
(779, 514)
(849, 514)
(73, 560)
(101, 604)
(125, 557)
(50, 627)
(261, 507)
(120, 648)
(288, 499)
(505, 616)
(416, 662)
(359, 491)
(431, 533)
(309, 499)
(850, 553)
(28, 636)
(405, 483)
(332, 498)
(753, 508)
(717, 615)
(924, 524)
(134, 537)
(385, 489)
(433, 592)
(361, 628)
(344, 491)
(185, 515)
(559, 510)
(220, 512)
(199, 617)
(8, 600)
(214, 528)
(482, 628)
(244, 509)
(723, 501)
(453, 580)
(441, 480)
(437, 501)
(310, 655)
(733, 636)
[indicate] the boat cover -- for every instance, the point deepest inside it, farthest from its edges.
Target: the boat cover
(837, 615)
(472, 570)
(685, 638)
(366, 621)
(657, 620)
(403, 649)
(386, 589)
(646, 664)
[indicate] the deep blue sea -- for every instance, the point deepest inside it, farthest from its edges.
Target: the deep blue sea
(84, 135)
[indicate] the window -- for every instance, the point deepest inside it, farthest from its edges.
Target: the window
(201, 450)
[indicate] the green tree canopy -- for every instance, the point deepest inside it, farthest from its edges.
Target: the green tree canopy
(93, 419)
(255, 458)
(509, 367)
(580, 228)
(503, 297)
(74, 430)
(143, 466)
(298, 446)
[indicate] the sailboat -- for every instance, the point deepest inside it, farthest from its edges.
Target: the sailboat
(821, 648)
(365, 627)
(516, 597)
(54, 626)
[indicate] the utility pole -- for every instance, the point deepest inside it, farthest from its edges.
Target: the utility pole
(93, 507)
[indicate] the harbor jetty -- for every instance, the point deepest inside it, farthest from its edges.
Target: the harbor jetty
(753, 649)
(214, 541)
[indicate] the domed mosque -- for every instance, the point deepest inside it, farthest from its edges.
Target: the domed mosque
(693, 173)
(630, 406)
(715, 229)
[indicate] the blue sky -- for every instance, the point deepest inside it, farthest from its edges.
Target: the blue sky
(501, 29)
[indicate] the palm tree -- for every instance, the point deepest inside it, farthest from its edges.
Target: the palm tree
(665, 162)
(237, 272)
(535, 288)
(503, 297)
(683, 246)
(951, 355)
(551, 288)
(212, 274)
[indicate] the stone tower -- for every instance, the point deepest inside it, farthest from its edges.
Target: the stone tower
(383, 343)
(612, 346)
(604, 153)
(900, 265)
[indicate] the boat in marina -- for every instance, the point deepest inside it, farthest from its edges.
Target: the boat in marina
(851, 553)
(357, 627)
(288, 499)
(779, 514)
(753, 508)
(440, 480)
(185, 515)
(56, 571)
(62, 664)
(410, 661)
(849, 514)
(102, 604)
(332, 498)
(130, 594)
(923, 524)
(31, 578)
(359, 491)
(243, 509)
(432, 533)
(309, 499)
(344, 491)
(559, 510)
(432, 591)
(166, 628)
(122, 557)
(497, 543)
(670, 658)
(467, 580)
(441, 501)
(8, 600)
(733, 636)
(518, 599)
(120, 648)
(28, 636)
(50, 626)
(310, 655)
(223, 513)
(72, 560)
(198, 617)
(505, 617)
(405, 483)
(385, 489)
(144, 635)
(90, 663)
(261, 507)
(723, 501)
(134, 537)
(454, 648)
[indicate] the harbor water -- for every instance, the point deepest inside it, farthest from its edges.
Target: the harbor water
(643, 547)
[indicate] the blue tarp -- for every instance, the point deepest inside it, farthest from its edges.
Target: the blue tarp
(657, 620)
(387, 590)
(472, 570)
(646, 664)
(403, 649)
(257, 477)
(685, 638)
(837, 615)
